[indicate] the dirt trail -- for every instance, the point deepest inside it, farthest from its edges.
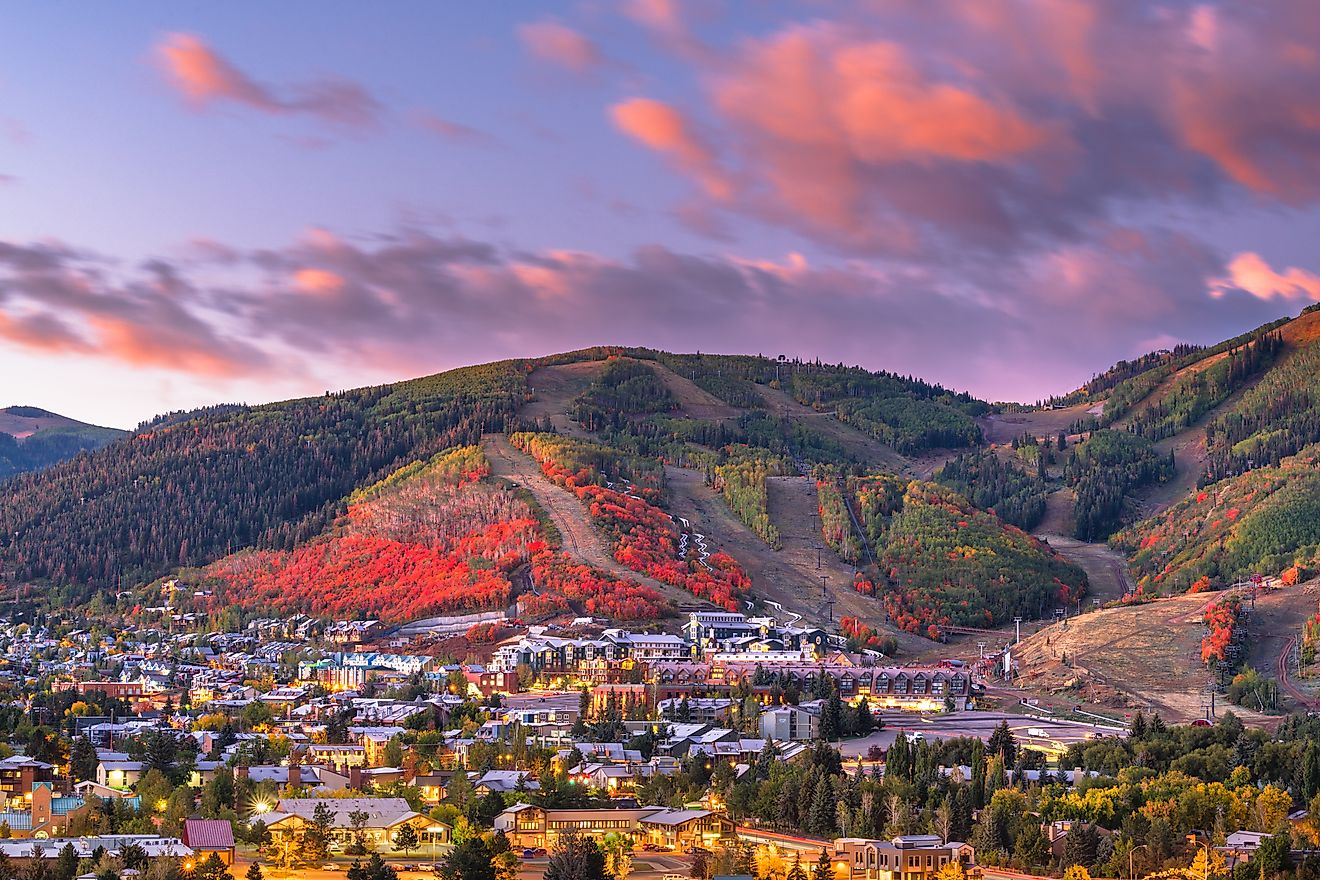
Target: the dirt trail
(582, 540)
(788, 576)
(860, 445)
(1273, 627)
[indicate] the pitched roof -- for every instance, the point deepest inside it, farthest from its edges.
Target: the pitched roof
(208, 833)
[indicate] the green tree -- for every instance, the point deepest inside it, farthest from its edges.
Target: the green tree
(254, 872)
(213, 868)
(82, 760)
(469, 860)
(1003, 743)
(315, 843)
(406, 839)
(357, 823)
(374, 869)
(66, 864)
(823, 869)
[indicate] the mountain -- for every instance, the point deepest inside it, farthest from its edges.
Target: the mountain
(280, 506)
(32, 438)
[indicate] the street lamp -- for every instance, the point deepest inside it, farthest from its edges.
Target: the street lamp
(1131, 872)
(434, 831)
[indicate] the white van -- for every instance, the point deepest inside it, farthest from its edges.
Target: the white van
(1037, 731)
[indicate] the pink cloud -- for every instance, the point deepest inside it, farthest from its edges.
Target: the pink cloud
(664, 129)
(205, 77)
(1250, 272)
(560, 45)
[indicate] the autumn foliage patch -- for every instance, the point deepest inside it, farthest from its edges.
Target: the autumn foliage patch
(434, 538)
(1220, 617)
(645, 537)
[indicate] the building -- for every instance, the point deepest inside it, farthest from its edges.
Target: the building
(528, 825)
(789, 723)
(385, 816)
(17, 776)
(705, 710)
(908, 857)
(207, 836)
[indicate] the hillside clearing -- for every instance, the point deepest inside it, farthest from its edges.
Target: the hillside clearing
(554, 389)
(1133, 657)
(856, 443)
(1004, 427)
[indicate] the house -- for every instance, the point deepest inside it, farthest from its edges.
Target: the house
(527, 825)
(207, 836)
(119, 774)
(504, 781)
(907, 857)
(384, 817)
(1241, 846)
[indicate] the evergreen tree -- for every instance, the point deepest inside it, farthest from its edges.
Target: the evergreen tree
(1003, 744)
(82, 760)
(406, 839)
(469, 860)
(213, 868)
(823, 869)
(863, 720)
(822, 808)
(796, 872)
(1080, 845)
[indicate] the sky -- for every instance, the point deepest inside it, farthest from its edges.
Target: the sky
(205, 202)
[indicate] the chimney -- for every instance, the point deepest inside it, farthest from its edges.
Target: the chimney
(241, 771)
(355, 778)
(295, 768)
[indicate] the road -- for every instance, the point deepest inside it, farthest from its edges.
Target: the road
(1059, 734)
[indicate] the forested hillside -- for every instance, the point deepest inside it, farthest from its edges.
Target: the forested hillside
(32, 438)
(279, 480)
(267, 476)
(435, 537)
(1265, 521)
(940, 561)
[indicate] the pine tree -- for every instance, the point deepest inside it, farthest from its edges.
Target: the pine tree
(823, 869)
(822, 807)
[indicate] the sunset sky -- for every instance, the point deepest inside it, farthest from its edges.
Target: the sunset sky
(205, 202)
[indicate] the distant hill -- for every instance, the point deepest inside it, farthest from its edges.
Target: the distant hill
(32, 438)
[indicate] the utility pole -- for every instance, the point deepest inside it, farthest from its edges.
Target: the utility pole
(817, 559)
(1017, 626)
(823, 579)
(829, 604)
(981, 646)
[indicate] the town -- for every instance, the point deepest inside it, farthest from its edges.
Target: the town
(741, 747)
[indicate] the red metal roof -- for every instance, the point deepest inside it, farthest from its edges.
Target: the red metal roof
(208, 834)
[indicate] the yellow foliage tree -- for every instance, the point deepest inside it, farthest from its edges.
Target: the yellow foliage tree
(952, 871)
(1272, 806)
